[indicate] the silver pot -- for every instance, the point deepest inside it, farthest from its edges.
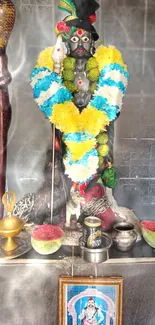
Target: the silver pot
(124, 236)
(96, 255)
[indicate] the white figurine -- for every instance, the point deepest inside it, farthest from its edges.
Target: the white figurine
(58, 54)
(73, 206)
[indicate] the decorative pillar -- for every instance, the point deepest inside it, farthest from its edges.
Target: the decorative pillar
(7, 19)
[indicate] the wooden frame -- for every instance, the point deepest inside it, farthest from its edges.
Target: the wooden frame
(77, 293)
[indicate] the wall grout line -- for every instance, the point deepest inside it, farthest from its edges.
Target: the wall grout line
(145, 36)
(100, 20)
(137, 178)
(137, 48)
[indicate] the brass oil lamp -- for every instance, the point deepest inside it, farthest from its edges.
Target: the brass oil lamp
(10, 226)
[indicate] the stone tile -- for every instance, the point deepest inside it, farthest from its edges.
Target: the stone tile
(137, 130)
(139, 171)
(151, 4)
(17, 3)
(129, 122)
(123, 126)
(123, 146)
(148, 200)
(134, 61)
(141, 185)
(153, 149)
(122, 171)
(152, 188)
(148, 209)
(27, 145)
(25, 2)
(31, 34)
(147, 131)
(149, 73)
(82, 268)
(150, 31)
(107, 3)
(135, 3)
(41, 2)
(121, 159)
(139, 162)
(120, 2)
(131, 193)
(142, 149)
(20, 286)
(127, 195)
(137, 148)
(152, 171)
(123, 27)
(148, 110)
(152, 162)
(131, 3)
(40, 29)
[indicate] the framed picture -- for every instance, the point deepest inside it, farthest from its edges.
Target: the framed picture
(90, 301)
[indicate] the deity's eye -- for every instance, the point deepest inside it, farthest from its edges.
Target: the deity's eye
(74, 39)
(85, 39)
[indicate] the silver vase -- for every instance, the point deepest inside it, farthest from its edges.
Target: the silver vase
(124, 236)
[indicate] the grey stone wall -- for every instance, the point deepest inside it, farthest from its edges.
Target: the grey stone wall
(127, 24)
(29, 292)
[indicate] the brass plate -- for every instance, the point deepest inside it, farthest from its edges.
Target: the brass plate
(24, 245)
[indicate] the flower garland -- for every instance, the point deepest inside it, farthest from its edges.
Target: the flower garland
(81, 129)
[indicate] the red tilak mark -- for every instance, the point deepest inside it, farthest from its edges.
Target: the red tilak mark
(80, 82)
(80, 32)
(58, 50)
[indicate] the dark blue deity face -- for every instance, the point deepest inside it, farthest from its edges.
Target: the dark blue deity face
(80, 44)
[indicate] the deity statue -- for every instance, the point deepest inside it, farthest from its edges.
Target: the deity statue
(91, 315)
(81, 92)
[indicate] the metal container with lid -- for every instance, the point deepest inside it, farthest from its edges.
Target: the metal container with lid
(92, 232)
(98, 255)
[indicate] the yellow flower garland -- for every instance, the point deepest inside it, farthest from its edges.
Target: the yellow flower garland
(68, 119)
(108, 55)
(45, 59)
(78, 150)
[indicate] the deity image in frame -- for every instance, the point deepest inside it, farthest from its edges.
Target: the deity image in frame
(90, 301)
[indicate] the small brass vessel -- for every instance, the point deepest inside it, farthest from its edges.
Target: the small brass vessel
(10, 226)
(124, 236)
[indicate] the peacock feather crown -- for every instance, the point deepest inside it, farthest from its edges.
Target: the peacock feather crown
(81, 15)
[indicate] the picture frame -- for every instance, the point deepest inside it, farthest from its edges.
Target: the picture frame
(90, 301)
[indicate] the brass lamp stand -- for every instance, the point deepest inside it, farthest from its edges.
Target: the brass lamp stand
(10, 226)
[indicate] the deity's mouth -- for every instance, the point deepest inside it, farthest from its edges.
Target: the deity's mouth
(80, 50)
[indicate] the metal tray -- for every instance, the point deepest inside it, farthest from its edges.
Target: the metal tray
(24, 245)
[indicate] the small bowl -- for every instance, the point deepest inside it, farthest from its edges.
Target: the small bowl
(96, 255)
(148, 232)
